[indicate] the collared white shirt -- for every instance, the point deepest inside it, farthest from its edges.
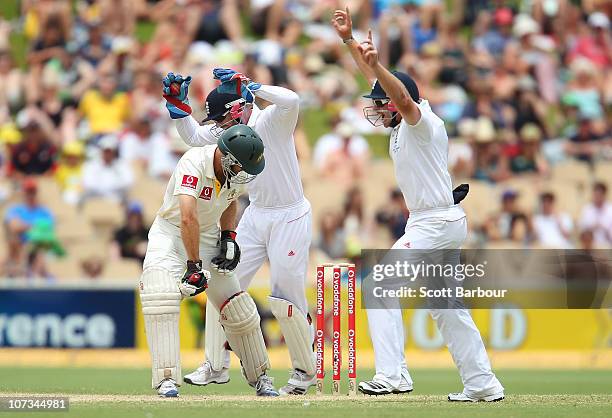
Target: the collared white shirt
(195, 176)
(420, 158)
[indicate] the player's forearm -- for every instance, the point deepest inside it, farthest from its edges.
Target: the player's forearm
(191, 132)
(280, 96)
(398, 94)
(228, 217)
(361, 64)
(190, 234)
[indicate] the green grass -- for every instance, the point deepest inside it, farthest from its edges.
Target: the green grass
(533, 393)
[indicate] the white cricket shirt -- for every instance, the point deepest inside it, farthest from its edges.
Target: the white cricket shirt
(279, 184)
(420, 159)
(195, 176)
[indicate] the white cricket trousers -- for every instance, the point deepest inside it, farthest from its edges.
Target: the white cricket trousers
(455, 325)
(281, 236)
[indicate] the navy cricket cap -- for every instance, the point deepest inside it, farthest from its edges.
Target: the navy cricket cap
(218, 104)
(378, 93)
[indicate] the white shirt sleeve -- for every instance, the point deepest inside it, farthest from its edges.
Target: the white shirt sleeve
(193, 134)
(425, 128)
(187, 177)
(282, 115)
(126, 177)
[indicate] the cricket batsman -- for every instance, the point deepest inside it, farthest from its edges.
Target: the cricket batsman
(192, 249)
(419, 150)
(276, 226)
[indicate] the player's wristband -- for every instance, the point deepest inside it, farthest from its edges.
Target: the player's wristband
(348, 40)
(228, 234)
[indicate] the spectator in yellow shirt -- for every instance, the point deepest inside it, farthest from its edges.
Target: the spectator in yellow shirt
(69, 172)
(105, 108)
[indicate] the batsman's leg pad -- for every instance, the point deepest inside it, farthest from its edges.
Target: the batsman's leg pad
(214, 339)
(161, 298)
(298, 333)
(241, 323)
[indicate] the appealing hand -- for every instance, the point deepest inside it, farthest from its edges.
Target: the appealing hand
(177, 101)
(229, 253)
(195, 279)
(343, 24)
(368, 51)
(235, 83)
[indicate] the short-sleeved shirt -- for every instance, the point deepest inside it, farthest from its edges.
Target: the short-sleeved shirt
(28, 215)
(195, 176)
(420, 157)
(105, 115)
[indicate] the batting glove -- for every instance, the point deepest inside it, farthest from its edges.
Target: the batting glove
(177, 102)
(229, 254)
(233, 82)
(195, 279)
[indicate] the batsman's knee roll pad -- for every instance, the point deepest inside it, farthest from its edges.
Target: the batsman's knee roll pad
(241, 323)
(298, 333)
(159, 293)
(161, 298)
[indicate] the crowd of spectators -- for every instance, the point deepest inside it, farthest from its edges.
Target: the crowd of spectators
(521, 85)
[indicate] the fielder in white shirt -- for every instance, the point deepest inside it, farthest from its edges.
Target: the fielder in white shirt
(185, 257)
(275, 227)
(419, 150)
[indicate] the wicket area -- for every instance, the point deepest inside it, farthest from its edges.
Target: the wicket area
(336, 327)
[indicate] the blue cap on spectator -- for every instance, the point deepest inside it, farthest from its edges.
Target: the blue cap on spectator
(134, 207)
(509, 194)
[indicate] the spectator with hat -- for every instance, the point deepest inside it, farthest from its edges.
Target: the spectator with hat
(528, 158)
(595, 45)
(106, 175)
(18, 220)
(69, 171)
(36, 153)
(130, 241)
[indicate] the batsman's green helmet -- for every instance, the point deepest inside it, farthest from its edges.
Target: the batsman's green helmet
(246, 146)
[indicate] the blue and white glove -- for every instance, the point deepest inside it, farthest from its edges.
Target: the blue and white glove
(233, 82)
(177, 102)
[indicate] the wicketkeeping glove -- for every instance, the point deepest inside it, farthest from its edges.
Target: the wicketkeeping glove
(236, 83)
(177, 102)
(229, 253)
(195, 280)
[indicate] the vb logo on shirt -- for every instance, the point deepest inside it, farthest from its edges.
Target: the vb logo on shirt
(189, 181)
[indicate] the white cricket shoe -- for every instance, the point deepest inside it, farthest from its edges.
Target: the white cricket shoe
(298, 383)
(380, 387)
(264, 386)
(462, 397)
(168, 389)
(205, 375)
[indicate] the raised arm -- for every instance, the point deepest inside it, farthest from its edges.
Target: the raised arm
(344, 28)
(192, 133)
(392, 86)
(286, 101)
